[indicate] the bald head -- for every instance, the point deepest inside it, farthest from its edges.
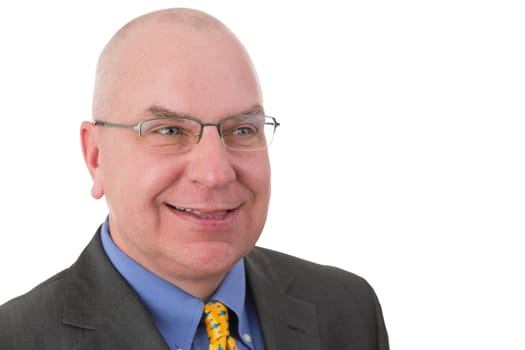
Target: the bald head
(127, 53)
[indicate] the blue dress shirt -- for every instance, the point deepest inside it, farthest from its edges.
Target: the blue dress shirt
(177, 314)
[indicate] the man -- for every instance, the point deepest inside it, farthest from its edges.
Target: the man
(178, 149)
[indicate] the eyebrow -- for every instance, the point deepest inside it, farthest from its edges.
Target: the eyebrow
(155, 111)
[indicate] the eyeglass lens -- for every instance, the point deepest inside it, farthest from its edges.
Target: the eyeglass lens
(181, 134)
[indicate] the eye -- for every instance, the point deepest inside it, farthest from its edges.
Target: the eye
(246, 130)
(168, 131)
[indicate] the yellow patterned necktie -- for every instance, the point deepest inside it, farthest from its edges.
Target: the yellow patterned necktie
(217, 327)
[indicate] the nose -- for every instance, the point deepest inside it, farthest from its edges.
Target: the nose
(209, 163)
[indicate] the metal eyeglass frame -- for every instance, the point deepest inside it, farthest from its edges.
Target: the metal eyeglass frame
(218, 125)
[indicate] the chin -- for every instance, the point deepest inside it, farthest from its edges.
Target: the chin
(210, 257)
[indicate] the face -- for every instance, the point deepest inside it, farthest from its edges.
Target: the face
(189, 216)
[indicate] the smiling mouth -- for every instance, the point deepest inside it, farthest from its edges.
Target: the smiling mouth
(220, 214)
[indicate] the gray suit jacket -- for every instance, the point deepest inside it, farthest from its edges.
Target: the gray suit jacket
(300, 305)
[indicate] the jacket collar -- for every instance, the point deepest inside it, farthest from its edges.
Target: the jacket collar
(98, 298)
(286, 321)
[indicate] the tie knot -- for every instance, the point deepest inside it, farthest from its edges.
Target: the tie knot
(217, 326)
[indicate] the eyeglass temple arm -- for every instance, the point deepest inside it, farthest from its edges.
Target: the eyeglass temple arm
(275, 123)
(113, 125)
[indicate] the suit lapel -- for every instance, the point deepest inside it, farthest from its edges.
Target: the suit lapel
(287, 323)
(97, 298)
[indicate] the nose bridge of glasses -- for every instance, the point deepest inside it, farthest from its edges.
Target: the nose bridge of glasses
(201, 130)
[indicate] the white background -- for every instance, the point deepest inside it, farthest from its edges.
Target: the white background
(400, 156)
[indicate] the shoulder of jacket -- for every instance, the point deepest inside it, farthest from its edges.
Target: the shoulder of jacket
(44, 295)
(275, 262)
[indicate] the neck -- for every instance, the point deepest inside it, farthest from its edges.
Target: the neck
(202, 289)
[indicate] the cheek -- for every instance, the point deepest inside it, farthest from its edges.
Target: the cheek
(134, 180)
(255, 174)
(256, 177)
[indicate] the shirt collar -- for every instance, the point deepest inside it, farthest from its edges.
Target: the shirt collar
(176, 313)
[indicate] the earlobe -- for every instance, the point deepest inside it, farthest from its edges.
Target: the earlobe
(90, 151)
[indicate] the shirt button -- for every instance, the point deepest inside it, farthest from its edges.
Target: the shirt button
(247, 337)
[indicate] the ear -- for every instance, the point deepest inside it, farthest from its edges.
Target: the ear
(90, 150)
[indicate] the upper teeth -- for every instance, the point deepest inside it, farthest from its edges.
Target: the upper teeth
(214, 215)
(183, 209)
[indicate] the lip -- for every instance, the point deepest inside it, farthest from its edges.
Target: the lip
(211, 218)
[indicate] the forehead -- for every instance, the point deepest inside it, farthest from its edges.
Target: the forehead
(200, 72)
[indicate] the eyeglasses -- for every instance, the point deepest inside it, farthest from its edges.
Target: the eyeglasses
(179, 134)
